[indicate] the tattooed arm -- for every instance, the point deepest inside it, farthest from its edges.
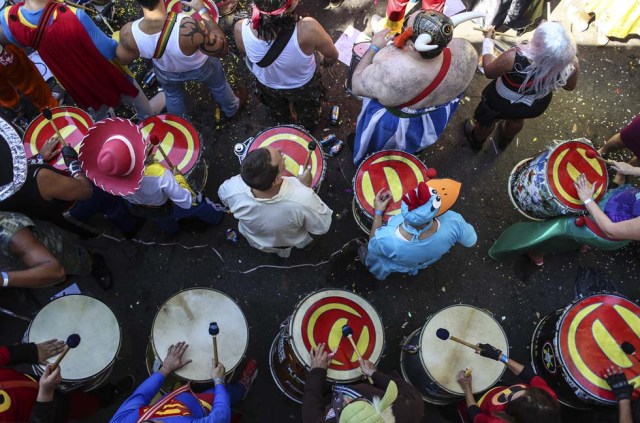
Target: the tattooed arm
(204, 35)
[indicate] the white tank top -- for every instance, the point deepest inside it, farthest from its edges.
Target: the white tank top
(292, 68)
(173, 60)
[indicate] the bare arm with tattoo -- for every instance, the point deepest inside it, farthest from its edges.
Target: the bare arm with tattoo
(204, 35)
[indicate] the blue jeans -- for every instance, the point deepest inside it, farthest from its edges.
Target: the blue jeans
(211, 73)
(205, 210)
(114, 209)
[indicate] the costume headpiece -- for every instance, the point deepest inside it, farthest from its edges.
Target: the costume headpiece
(377, 411)
(432, 31)
(255, 12)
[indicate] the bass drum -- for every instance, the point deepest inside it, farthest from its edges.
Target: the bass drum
(571, 348)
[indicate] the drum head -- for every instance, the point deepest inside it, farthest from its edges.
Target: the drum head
(319, 319)
(590, 335)
(92, 320)
(186, 317)
(176, 7)
(566, 162)
(293, 142)
(178, 138)
(73, 124)
(393, 169)
(444, 359)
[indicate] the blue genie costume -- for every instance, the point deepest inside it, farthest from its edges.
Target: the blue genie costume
(389, 251)
(567, 233)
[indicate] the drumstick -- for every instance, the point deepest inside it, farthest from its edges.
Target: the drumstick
(214, 330)
(154, 140)
(72, 342)
(477, 28)
(311, 147)
(593, 155)
(49, 117)
(102, 19)
(444, 335)
(629, 349)
(348, 333)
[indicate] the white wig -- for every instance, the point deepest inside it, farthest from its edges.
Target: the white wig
(551, 52)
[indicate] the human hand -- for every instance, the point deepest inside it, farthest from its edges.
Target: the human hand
(368, 368)
(49, 348)
(624, 168)
(320, 358)
(48, 150)
(383, 197)
(173, 361)
(465, 381)
(195, 5)
(217, 372)
(620, 386)
(382, 38)
(584, 188)
(305, 177)
(49, 381)
(489, 351)
(490, 32)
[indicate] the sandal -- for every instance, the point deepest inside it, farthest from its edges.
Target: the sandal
(536, 258)
(468, 133)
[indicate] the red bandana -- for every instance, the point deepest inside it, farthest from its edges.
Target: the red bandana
(255, 13)
(417, 197)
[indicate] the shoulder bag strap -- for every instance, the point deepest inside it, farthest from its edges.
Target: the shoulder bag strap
(276, 48)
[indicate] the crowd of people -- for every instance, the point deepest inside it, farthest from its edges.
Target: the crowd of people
(411, 78)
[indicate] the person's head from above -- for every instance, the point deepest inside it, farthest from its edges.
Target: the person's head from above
(269, 17)
(364, 411)
(420, 206)
(532, 405)
(150, 4)
(431, 31)
(262, 168)
(551, 51)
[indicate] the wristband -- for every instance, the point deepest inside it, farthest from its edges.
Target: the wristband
(487, 46)
(587, 201)
(504, 358)
(5, 279)
(218, 379)
(379, 212)
(374, 48)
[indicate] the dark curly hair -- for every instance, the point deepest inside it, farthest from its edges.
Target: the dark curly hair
(258, 171)
(270, 26)
(534, 406)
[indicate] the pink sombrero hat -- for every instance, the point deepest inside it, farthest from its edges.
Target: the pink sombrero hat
(112, 155)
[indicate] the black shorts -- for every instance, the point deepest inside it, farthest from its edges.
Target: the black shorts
(493, 107)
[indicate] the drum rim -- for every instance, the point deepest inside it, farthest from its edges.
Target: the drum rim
(191, 127)
(560, 353)
(490, 315)
(509, 185)
(582, 209)
(281, 333)
(355, 178)
(304, 361)
(28, 133)
(323, 160)
(107, 368)
(227, 370)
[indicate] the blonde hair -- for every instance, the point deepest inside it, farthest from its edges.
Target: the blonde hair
(551, 52)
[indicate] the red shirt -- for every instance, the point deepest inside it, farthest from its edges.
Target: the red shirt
(16, 403)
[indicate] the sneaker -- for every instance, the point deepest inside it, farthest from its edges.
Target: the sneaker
(101, 272)
(468, 133)
(249, 374)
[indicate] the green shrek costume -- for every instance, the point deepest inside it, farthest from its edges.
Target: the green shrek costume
(567, 233)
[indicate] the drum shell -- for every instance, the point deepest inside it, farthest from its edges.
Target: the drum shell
(544, 336)
(288, 372)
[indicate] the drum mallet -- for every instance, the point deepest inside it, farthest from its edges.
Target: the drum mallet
(49, 117)
(444, 335)
(348, 333)
(214, 330)
(154, 140)
(593, 155)
(629, 349)
(311, 147)
(72, 342)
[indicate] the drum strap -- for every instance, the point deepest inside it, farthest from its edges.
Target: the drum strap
(157, 406)
(165, 34)
(276, 48)
(444, 68)
(13, 384)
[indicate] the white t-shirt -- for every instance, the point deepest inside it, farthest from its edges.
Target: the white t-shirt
(284, 220)
(156, 190)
